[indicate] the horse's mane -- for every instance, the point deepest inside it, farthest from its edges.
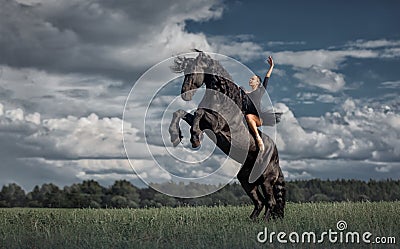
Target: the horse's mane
(219, 70)
(223, 80)
(180, 64)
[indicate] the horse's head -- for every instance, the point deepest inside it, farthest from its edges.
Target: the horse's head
(194, 70)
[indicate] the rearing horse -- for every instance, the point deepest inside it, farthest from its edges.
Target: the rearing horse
(220, 113)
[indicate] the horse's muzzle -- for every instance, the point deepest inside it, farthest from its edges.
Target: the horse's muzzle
(187, 96)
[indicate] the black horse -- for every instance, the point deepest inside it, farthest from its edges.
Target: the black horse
(220, 116)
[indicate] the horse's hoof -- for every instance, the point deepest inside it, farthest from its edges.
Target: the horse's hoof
(256, 212)
(176, 142)
(267, 215)
(176, 139)
(196, 147)
(254, 215)
(196, 144)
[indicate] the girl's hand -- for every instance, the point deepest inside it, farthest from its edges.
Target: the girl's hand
(271, 66)
(270, 61)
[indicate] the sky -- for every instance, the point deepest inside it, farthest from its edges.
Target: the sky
(67, 67)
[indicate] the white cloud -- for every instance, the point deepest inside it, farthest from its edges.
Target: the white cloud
(322, 78)
(384, 169)
(84, 137)
(63, 150)
(391, 53)
(295, 142)
(91, 148)
(114, 169)
(326, 59)
(332, 59)
(326, 98)
(390, 84)
(317, 67)
(349, 105)
(285, 43)
(70, 137)
(15, 115)
(312, 96)
(357, 132)
(373, 43)
(245, 50)
(339, 169)
(33, 118)
(306, 95)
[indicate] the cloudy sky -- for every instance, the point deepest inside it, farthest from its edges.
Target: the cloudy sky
(67, 67)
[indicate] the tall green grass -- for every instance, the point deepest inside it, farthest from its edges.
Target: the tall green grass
(190, 227)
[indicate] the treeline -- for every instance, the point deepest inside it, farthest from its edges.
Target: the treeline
(122, 194)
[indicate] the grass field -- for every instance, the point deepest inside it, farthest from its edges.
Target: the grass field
(192, 227)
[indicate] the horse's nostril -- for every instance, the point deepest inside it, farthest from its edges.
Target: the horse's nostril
(186, 96)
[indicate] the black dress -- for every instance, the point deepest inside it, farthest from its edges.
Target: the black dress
(253, 101)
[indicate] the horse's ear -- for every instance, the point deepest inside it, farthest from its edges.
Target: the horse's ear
(201, 53)
(200, 56)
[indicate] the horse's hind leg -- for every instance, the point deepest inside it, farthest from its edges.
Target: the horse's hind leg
(268, 191)
(258, 201)
(174, 129)
(252, 191)
(269, 199)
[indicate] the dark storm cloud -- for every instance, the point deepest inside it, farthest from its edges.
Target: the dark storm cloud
(97, 37)
(28, 173)
(76, 93)
(59, 95)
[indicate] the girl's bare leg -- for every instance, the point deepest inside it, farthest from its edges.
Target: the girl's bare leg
(254, 122)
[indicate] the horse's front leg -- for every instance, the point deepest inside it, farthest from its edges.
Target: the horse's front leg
(195, 130)
(174, 129)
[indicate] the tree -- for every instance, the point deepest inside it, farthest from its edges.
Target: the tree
(87, 194)
(12, 196)
(164, 200)
(122, 194)
(33, 198)
(294, 193)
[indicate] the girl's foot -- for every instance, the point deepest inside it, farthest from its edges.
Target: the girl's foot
(260, 143)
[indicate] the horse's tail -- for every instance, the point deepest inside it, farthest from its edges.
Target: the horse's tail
(279, 190)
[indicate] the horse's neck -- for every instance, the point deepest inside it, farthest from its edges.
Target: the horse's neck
(225, 87)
